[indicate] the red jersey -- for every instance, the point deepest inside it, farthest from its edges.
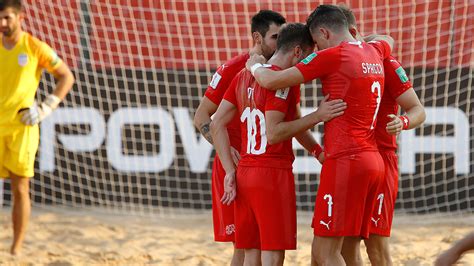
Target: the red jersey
(396, 83)
(352, 71)
(252, 101)
(218, 86)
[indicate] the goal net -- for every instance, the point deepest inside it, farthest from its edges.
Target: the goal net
(124, 140)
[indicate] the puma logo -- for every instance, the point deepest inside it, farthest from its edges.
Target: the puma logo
(375, 221)
(325, 224)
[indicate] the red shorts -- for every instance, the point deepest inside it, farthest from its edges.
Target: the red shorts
(222, 215)
(384, 207)
(346, 194)
(265, 209)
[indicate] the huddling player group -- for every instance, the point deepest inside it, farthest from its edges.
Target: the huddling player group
(256, 108)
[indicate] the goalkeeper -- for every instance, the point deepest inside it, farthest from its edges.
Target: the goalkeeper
(23, 57)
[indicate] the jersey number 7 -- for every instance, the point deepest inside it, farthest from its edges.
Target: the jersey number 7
(375, 89)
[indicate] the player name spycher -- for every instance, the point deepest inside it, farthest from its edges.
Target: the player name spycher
(368, 68)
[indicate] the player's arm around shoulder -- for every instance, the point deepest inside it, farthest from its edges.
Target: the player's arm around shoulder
(273, 79)
(377, 37)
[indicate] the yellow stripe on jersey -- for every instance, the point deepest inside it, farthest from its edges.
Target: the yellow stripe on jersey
(20, 74)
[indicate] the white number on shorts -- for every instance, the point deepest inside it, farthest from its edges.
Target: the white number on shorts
(380, 198)
(329, 198)
(251, 117)
(376, 89)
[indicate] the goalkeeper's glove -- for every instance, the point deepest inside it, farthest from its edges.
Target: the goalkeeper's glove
(37, 113)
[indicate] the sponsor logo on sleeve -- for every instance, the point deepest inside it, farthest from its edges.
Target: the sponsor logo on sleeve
(402, 75)
(309, 58)
(22, 59)
(215, 80)
(282, 93)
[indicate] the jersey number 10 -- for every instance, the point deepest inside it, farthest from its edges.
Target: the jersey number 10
(251, 117)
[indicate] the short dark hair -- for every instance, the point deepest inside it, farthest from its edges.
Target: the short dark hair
(262, 20)
(294, 34)
(351, 20)
(16, 4)
(329, 16)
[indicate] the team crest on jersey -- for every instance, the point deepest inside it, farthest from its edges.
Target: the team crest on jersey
(230, 229)
(22, 59)
(309, 58)
(215, 80)
(402, 75)
(282, 93)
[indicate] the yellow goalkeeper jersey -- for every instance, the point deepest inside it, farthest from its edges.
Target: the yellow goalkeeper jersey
(20, 74)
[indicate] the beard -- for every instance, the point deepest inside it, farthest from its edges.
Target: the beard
(266, 52)
(9, 31)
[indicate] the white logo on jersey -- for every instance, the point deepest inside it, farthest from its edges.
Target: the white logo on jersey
(282, 93)
(215, 80)
(325, 224)
(230, 229)
(22, 59)
(375, 221)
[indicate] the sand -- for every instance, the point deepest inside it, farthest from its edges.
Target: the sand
(60, 237)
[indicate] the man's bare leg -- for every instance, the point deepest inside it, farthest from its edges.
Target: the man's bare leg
(326, 251)
(238, 257)
(252, 257)
(351, 251)
(378, 250)
(273, 257)
(21, 210)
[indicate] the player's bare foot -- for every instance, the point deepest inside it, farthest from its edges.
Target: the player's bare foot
(15, 250)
